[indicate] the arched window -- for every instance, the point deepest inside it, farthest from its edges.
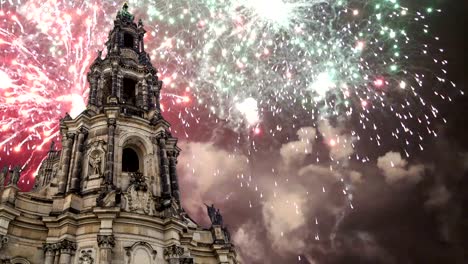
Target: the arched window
(130, 160)
(128, 40)
(129, 87)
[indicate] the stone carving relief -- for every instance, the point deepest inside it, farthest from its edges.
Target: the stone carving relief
(86, 257)
(95, 163)
(137, 198)
(3, 241)
(95, 153)
(173, 251)
(106, 241)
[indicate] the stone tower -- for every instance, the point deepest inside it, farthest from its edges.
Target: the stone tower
(111, 194)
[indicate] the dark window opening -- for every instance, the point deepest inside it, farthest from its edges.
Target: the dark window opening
(130, 161)
(128, 95)
(128, 40)
(107, 88)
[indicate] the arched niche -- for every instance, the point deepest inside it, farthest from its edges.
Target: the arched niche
(140, 253)
(132, 144)
(94, 164)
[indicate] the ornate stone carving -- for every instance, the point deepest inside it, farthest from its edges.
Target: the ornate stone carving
(106, 241)
(66, 246)
(173, 251)
(86, 257)
(137, 198)
(49, 247)
(139, 181)
(95, 163)
(3, 241)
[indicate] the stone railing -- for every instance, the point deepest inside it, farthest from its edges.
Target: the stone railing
(129, 54)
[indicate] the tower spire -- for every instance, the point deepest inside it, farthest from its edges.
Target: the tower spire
(125, 77)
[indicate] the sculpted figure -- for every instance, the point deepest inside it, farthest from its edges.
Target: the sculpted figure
(15, 175)
(95, 163)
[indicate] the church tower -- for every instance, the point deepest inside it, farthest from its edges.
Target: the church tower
(111, 194)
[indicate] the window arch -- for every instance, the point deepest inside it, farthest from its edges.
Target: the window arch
(128, 40)
(130, 160)
(129, 88)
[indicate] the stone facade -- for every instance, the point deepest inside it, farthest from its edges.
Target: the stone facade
(111, 194)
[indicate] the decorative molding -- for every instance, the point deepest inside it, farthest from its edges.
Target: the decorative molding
(66, 246)
(86, 257)
(106, 241)
(111, 122)
(173, 251)
(49, 247)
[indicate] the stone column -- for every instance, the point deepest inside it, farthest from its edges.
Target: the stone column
(174, 180)
(111, 123)
(139, 94)
(105, 243)
(49, 253)
(3, 175)
(99, 92)
(67, 249)
(57, 256)
(67, 143)
(114, 82)
(144, 91)
(119, 89)
(93, 83)
(76, 177)
(165, 178)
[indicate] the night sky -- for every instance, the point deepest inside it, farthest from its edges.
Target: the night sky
(288, 196)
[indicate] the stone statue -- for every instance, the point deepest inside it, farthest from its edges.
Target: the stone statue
(219, 218)
(124, 12)
(52, 146)
(95, 163)
(15, 175)
(3, 175)
(214, 214)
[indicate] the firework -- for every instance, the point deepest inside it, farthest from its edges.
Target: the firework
(363, 64)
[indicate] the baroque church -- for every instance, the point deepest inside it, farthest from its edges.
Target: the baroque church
(111, 194)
